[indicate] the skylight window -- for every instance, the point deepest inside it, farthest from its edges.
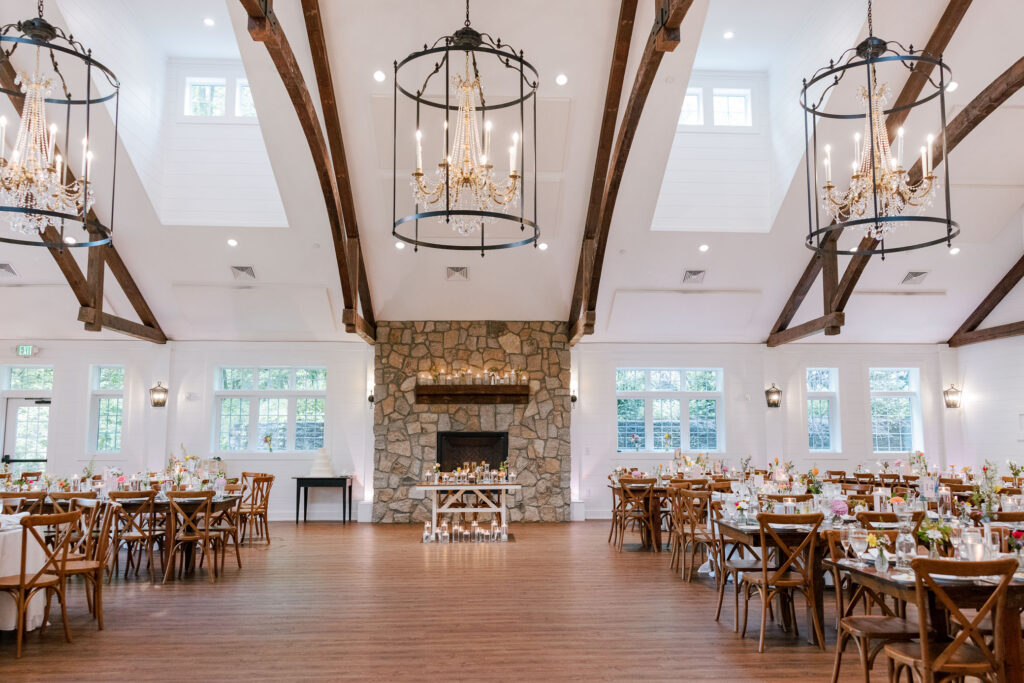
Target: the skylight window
(732, 107)
(692, 113)
(205, 96)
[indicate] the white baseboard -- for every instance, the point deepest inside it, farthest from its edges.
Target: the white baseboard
(577, 511)
(364, 513)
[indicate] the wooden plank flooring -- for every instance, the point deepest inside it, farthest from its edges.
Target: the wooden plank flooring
(369, 602)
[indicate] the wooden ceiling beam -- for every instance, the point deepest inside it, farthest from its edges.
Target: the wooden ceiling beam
(264, 28)
(89, 292)
(987, 101)
(912, 89)
(336, 142)
(605, 139)
(610, 165)
(968, 333)
(988, 334)
(92, 316)
(831, 320)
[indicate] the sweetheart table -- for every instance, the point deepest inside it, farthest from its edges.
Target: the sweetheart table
(489, 498)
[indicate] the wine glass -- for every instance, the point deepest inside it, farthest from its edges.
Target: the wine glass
(844, 538)
(859, 543)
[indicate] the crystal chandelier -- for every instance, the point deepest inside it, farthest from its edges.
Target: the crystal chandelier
(33, 176)
(886, 202)
(466, 188)
(466, 169)
(40, 188)
(877, 169)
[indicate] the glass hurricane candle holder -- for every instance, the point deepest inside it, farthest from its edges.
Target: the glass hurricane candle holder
(428, 533)
(504, 532)
(789, 506)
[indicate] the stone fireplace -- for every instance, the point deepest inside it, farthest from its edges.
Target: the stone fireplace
(407, 433)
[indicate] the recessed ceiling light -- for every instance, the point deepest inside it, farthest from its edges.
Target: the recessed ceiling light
(543, 246)
(954, 251)
(703, 247)
(561, 79)
(232, 242)
(953, 85)
(70, 240)
(379, 76)
(399, 245)
(728, 35)
(208, 21)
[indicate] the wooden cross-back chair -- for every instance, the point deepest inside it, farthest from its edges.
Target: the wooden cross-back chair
(697, 535)
(49, 577)
(637, 497)
(855, 499)
(224, 527)
(835, 476)
(253, 510)
(792, 575)
(889, 479)
(616, 510)
(94, 556)
(870, 632)
(910, 479)
(969, 653)
(187, 532)
(864, 477)
(677, 529)
(732, 567)
(136, 529)
(871, 520)
(857, 488)
(781, 497)
(31, 502)
(31, 476)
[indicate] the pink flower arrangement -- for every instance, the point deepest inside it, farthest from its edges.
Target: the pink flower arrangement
(839, 507)
(122, 479)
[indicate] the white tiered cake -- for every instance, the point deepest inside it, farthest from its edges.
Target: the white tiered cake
(321, 465)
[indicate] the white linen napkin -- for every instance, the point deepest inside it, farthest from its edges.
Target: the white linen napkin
(11, 521)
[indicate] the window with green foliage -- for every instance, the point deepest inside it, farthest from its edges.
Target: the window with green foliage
(895, 405)
(650, 409)
(270, 408)
(22, 378)
(823, 409)
(107, 408)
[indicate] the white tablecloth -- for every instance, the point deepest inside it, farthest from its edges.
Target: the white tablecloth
(10, 565)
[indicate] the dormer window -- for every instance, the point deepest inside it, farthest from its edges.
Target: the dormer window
(215, 94)
(205, 96)
(732, 107)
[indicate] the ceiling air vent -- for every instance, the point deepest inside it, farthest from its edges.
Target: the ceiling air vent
(243, 273)
(456, 273)
(914, 277)
(7, 270)
(692, 277)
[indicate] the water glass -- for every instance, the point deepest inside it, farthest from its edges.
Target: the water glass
(859, 542)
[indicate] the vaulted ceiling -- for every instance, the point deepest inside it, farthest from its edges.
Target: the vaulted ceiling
(184, 271)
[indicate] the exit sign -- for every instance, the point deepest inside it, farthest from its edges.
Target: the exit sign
(26, 350)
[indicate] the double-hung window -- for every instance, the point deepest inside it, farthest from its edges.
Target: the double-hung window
(265, 409)
(107, 408)
(823, 409)
(895, 409)
(661, 409)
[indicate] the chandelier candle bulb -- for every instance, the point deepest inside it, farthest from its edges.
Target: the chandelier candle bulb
(3, 134)
(419, 152)
(53, 141)
(828, 163)
(85, 152)
(487, 139)
(924, 161)
(856, 150)
(899, 147)
(931, 140)
(88, 166)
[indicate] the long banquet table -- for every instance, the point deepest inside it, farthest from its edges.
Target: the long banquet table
(966, 594)
(10, 565)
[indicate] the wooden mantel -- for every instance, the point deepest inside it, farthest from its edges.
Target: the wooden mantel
(472, 393)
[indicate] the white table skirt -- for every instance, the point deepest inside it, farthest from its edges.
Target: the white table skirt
(10, 565)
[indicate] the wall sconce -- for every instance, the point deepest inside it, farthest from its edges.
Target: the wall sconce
(773, 396)
(573, 398)
(158, 395)
(952, 396)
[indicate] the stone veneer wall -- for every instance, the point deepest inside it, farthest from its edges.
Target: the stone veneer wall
(405, 433)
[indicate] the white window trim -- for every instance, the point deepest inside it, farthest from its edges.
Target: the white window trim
(707, 81)
(832, 396)
(254, 396)
(181, 70)
(698, 92)
(684, 398)
(94, 409)
(914, 394)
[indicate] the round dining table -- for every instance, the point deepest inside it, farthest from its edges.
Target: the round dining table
(10, 565)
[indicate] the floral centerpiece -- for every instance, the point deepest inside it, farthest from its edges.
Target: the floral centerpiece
(788, 467)
(986, 491)
(880, 542)
(1016, 471)
(635, 438)
(742, 505)
(883, 466)
(745, 466)
(918, 464)
(667, 437)
(811, 481)
(934, 534)
(88, 469)
(859, 468)
(1015, 541)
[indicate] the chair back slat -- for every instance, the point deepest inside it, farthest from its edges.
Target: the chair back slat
(56, 552)
(791, 558)
(189, 521)
(24, 501)
(870, 520)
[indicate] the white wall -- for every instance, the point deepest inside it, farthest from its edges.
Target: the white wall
(993, 401)
(750, 427)
(187, 368)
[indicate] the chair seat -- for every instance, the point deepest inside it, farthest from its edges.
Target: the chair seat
(882, 627)
(967, 657)
(14, 581)
(81, 566)
(137, 536)
(221, 528)
(786, 580)
(742, 565)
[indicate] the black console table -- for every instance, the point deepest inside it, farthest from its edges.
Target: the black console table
(344, 482)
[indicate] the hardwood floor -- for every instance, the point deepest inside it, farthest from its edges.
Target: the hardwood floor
(327, 602)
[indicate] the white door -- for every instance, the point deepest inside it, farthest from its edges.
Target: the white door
(26, 434)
